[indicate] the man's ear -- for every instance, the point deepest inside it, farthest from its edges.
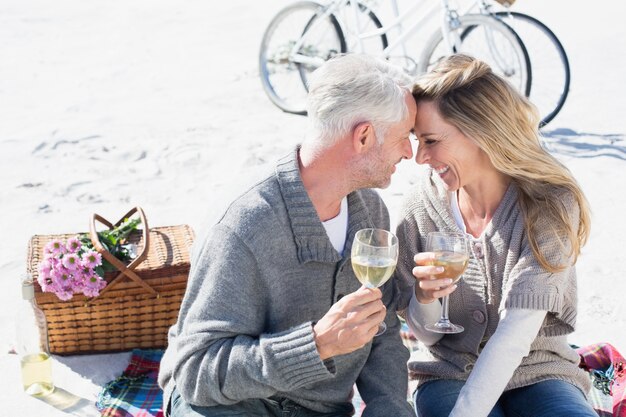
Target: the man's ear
(363, 137)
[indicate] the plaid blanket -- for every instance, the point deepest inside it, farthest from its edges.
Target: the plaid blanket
(607, 371)
(136, 392)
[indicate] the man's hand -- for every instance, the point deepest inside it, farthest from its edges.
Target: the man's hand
(350, 323)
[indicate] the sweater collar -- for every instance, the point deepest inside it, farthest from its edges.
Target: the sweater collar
(441, 207)
(310, 237)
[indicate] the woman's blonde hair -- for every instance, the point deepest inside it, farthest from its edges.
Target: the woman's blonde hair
(505, 125)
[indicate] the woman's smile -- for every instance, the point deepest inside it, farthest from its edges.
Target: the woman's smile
(441, 170)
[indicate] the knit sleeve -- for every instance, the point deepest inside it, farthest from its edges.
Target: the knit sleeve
(409, 245)
(530, 286)
(425, 209)
(220, 356)
(418, 316)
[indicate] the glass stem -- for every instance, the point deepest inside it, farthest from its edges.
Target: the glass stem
(444, 308)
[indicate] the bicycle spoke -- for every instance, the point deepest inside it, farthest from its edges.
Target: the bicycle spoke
(549, 63)
(488, 39)
(297, 42)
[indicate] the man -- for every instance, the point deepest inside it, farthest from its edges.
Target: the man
(273, 321)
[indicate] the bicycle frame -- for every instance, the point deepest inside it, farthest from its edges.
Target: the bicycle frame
(449, 17)
(397, 22)
(305, 34)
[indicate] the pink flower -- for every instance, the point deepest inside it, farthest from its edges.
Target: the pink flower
(55, 247)
(60, 277)
(71, 261)
(45, 267)
(51, 287)
(91, 259)
(73, 244)
(85, 272)
(65, 272)
(93, 285)
(64, 294)
(93, 281)
(82, 276)
(44, 282)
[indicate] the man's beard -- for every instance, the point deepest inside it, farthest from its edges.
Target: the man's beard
(372, 171)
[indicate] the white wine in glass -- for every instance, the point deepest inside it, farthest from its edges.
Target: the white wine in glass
(452, 253)
(373, 272)
(374, 257)
(453, 263)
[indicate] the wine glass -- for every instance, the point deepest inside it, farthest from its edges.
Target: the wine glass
(452, 253)
(374, 257)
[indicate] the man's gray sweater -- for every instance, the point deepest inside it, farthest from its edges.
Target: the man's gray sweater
(260, 279)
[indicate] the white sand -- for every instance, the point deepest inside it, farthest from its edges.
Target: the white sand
(106, 105)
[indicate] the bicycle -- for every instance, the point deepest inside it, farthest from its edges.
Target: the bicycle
(305, 34)
(550, 70)
(549, 62)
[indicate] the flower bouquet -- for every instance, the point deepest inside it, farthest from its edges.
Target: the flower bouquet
(126, 298)
(75, 267)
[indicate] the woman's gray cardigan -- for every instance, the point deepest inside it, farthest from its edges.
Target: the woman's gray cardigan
(502, 273)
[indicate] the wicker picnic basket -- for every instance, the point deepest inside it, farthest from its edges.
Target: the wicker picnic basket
(139, 303)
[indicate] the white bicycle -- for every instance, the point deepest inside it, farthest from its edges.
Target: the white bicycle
(305, 34)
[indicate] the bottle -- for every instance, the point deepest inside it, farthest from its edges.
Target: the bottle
(32, 344)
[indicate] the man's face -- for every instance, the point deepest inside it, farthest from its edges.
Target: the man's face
(382, 160)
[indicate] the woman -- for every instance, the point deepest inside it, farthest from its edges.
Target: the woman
(527, 220)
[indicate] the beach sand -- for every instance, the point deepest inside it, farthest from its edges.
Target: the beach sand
(108, 105)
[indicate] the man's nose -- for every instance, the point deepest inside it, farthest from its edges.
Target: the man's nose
(408, 150)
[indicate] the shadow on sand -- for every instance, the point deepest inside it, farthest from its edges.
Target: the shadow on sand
(99, 369)
(71, 404)
(585, 145)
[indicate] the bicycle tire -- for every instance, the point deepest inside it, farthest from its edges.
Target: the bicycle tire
(509, 48)
(346, 35)
(371, 17)
(549, 62)
(286, 90)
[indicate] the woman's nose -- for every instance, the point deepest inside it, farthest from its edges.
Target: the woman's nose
(421, 156)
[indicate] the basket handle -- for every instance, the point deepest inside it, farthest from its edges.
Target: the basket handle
(124, 269)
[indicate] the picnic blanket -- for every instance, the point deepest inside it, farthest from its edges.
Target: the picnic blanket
(606, 367)
(136, 392)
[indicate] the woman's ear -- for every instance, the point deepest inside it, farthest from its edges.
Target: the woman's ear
(363, 137)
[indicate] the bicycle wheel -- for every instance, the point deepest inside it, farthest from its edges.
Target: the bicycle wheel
(548, 61)
(367, 21)
(298, 39)
(485, 38)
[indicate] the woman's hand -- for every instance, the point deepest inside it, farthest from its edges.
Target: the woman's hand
(428, 287)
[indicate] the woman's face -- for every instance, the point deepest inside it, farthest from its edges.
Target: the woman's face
(452, 155)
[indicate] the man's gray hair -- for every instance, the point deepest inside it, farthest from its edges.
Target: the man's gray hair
(354, 88)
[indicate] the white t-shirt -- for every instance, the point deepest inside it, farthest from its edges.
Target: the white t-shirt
(337, 227)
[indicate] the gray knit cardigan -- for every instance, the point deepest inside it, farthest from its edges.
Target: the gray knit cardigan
(502, 273)
(264, 273)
